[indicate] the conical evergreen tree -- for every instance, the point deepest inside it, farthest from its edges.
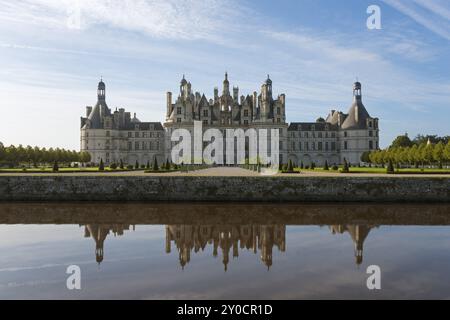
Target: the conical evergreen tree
(325, 167)
(101, 166)
(155, 165)
(136, 165)
(121, 166)
(345, 168)
(55, 166)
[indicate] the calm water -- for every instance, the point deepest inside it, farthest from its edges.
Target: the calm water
(215, 251)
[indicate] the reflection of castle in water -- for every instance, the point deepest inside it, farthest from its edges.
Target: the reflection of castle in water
(228, 239)
(99, 232)
(358, 233)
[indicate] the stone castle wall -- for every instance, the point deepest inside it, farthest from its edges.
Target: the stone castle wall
(226, 189)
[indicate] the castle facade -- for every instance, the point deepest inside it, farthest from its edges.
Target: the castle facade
(115, 136)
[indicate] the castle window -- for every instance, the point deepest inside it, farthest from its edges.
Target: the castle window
(320, 134)
(129, 134)
(371, 145)
(333, 134)
(293, 146)
(278, 120)
(246, 122)
(205, 113)
(107, 133)
(129, 145)
(326, 146)
(307, 146)
(370, 133)
(178, 120)
(245, 113)
(136, 145)
(319, 146)
(326, 134)
(136, 134)
(179, 110)
(205, 122)
(300, 146)
(306, 134)
(313, 146)
(345, 145)
(278, 111)
(87, 134)
(333, 146)
(370, 124)
(144, 134)
(345, 134)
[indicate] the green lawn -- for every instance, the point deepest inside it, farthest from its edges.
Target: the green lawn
(63, 170)
(383, 170)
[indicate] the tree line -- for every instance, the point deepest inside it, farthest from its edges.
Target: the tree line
(13, 156)
(406, 153)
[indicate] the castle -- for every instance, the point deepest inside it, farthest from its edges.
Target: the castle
(115, 136)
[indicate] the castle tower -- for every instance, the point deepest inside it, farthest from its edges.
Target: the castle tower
(169, 104)
(226, 85)
(101, 91)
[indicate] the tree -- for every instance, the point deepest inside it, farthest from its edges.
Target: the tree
(290, 167)
(101, 166)
(2, 152)
(55, 166)
(155, 164)
(302, 165)
(447, 152)
(365, 157)
(438, 154)
(325, 167)
(390, 167)
(147, 166)
(345, 168)
(401, 141)
(136, 165)
(167, 164)
(121, 166)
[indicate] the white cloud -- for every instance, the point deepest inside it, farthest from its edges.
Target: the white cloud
(172, 19)
(431, 14)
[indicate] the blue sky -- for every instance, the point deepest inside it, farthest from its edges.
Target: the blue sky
(313, 51)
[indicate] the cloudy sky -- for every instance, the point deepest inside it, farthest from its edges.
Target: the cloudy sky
(51, 61)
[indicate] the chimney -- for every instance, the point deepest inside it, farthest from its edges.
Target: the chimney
(169, 104)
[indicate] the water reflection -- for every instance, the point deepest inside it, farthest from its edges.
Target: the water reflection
(227, 229)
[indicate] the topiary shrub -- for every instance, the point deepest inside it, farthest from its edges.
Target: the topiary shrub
(121, 166)
(113, 166)
(345, 169)
(101, 166)
(136, 165)
(335, 167)
(55, 166)
(325, 167)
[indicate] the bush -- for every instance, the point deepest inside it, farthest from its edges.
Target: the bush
(121, 166)
(345, 168)
(290, 167)
(301, 165)
(136, 165)
(313, 165)
(155, 165)
(113, 166)
(325, 167)
(335, 167)
(55, 166)
(142, 166)
(101, 167)
(130, 167)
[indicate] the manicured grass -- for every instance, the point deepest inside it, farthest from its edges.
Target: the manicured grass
(61, 170)
(383, 170)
